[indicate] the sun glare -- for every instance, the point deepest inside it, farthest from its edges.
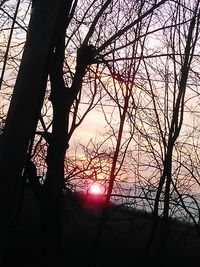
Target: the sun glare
(95, 189)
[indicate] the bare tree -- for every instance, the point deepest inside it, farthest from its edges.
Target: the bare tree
(25, 108)
(115, 67)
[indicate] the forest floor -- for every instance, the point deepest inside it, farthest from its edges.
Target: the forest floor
(122, 243)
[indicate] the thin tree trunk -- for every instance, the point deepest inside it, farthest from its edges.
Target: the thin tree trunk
(51, 199)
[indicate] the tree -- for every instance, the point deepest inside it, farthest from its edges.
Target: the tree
(25, 107)
(115, 63)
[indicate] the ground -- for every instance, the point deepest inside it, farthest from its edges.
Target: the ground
(122, 243)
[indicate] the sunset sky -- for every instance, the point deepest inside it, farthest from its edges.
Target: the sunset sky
(142, 65)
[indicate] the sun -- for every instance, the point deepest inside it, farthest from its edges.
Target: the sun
(95, 189)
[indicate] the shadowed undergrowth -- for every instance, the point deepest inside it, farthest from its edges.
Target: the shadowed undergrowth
(123, 240)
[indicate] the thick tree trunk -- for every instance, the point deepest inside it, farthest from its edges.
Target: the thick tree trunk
(24, 109)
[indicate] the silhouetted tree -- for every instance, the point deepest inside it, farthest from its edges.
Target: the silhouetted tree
(25, 106)
(97, 52)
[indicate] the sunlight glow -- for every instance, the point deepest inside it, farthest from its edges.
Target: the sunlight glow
(95, 189)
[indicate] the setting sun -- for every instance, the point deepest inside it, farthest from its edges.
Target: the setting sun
(95, 189)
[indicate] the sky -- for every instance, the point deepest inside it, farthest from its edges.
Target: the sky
(94, 125)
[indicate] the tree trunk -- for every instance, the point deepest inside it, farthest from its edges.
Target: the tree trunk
(24, 109)
(51, 199)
